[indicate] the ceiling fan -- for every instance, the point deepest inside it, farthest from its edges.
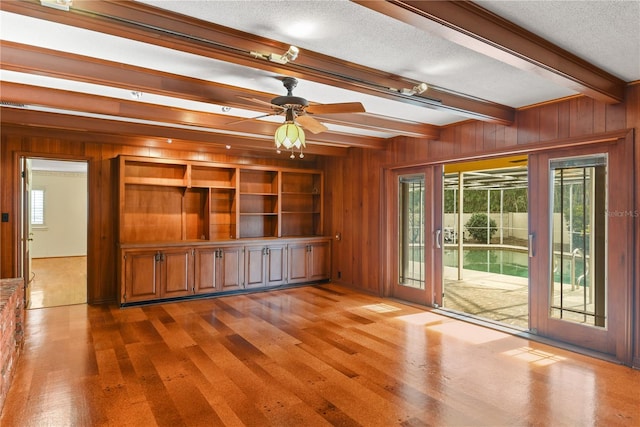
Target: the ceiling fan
(300, 110)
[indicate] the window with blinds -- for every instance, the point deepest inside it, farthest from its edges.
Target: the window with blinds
(37, 207)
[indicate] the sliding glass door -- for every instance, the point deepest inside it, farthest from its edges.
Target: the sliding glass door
(579, 215)
(415, 200)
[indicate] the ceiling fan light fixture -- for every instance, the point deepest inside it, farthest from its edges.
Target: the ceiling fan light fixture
(290, 136)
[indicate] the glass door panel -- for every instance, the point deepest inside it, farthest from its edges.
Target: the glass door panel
(580, 271)
(578, 240)
(411, 221)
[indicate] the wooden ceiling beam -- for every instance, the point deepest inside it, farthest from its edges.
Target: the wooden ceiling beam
(474, 27)
(16, 93)
(150, 147)
(155, 135)
(137, 21)
(34, 60)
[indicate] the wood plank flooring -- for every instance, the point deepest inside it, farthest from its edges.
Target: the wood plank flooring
(58, 281)
(308, 356)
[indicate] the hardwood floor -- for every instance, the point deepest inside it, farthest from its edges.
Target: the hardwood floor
(309, 356)
(58, 281)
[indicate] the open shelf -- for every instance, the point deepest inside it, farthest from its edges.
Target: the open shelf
(156, 173)
(301, 183)
(164, 200)
(300, 224)
(222, 214)
(213, 177)
(258, 225)
(258, 203)
(258, 181)
(151, 213)
(301, 203)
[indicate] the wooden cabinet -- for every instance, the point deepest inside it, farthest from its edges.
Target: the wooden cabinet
(320, 260)
(150, 273)
(309, 262)
(276, 265)
(140, 280)
(176, 272)
(266, 265)
(219, 269)
(156, 274)
(189, 228)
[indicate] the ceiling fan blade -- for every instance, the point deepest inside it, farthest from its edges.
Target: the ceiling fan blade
(261, 102)
(311, 124)
(344, 107)
(246, 119)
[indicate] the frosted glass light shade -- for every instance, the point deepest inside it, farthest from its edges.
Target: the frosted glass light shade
(289, 136)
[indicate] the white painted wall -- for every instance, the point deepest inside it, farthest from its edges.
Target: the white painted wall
(65, 200)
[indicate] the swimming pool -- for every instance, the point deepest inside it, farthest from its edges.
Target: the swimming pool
(511, 262)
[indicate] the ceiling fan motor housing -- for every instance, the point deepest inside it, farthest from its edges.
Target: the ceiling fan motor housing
(289, 83)
(289, 100)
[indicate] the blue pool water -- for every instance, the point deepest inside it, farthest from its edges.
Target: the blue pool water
(500, 261)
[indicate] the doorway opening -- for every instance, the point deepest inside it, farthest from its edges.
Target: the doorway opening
(55, 216)
(485, 240)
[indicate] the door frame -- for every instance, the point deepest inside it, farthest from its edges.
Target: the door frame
(19, 210)
(25, 227)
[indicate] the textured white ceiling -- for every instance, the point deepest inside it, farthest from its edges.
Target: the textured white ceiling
(351, 32)
(605, 33)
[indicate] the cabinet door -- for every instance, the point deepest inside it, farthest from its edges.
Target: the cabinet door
(276, 265)
(319, 261)
(230, 268)
(177, 273)
(298, 262)
(141, 280)
(255, 266)
(205, 271)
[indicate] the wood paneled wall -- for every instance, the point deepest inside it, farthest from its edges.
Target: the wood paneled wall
(352, 184)
(633, 121)
(102, 233)
(354, 208)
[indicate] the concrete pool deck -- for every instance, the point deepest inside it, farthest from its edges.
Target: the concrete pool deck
(502, 298)
(492, 296)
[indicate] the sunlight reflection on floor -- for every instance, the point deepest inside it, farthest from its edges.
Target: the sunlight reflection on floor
(535, 356)
(469, 333)
(422, 318)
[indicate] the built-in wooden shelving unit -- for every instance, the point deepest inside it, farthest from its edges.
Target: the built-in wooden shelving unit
(185, 227)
